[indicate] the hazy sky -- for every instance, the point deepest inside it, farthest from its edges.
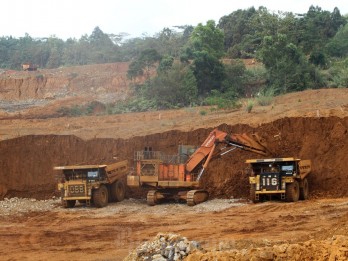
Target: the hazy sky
(73, 18)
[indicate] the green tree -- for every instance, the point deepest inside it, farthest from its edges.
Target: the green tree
(234, 81)
(56, 47)
(317, 26)
(209, 72)
(176, 87)
(205, 49)
(235, 26)
(288, 68)
(262, 23)
(144, 64)
(208, 38)
(102, 48)
(338, 45)
(318, 58)
(165, 64)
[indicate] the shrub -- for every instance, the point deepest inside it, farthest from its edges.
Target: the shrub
(203, 113)
(249, 106)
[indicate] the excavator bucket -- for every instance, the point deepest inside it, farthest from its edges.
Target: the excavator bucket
(252, 143)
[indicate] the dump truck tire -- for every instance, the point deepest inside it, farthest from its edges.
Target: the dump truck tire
(100, 197)
(252, 194)
(118, 191)
(304, 191)
(68, 203)
(292, 191)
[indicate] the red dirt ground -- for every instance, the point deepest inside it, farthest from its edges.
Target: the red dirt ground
(311, 124)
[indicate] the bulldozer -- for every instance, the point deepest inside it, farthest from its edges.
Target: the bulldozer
(97, 184)
(178, 176)
(285, 178)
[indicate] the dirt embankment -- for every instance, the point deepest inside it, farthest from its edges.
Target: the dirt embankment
(57, 83)
(27, 162)
(23, 90)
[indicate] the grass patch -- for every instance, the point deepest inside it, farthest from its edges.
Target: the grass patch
(264, 100)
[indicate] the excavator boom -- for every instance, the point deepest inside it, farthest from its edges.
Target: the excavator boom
(207, 150)
(252, 143)
(207, 147)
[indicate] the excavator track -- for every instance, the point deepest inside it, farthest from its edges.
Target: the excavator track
(195, 197)
(151, 198)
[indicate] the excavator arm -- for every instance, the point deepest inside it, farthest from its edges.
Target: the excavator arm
(216, 138)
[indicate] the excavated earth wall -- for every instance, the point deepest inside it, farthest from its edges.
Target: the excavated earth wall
(27, 162)
(55, 83)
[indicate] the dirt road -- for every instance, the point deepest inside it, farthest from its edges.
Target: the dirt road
(110, 233)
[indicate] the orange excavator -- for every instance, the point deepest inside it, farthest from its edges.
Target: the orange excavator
(177, 176)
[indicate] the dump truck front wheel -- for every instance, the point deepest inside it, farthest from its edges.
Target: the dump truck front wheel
(304, 191)
(118, 191)
(100, 197)
(292, 191)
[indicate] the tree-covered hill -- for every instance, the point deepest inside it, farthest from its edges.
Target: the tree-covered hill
(295, 52)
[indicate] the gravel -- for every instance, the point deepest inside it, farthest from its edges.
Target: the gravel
(138, 206)
(19, 206)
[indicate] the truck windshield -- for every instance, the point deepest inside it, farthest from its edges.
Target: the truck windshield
(92, 174)
(288, 168)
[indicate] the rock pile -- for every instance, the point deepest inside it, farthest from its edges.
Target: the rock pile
(164, 247)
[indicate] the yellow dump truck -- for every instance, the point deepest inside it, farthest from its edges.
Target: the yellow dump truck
(92, 184)
(285, 178)
(29, 67)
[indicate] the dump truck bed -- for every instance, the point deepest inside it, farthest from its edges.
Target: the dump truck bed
(113, 171)
(73, 167)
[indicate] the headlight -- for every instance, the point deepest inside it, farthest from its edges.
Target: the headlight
(283, 185)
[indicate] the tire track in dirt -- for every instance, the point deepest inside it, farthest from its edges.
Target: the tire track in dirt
(104, 236)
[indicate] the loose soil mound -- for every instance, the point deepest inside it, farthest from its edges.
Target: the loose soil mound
(27, 162)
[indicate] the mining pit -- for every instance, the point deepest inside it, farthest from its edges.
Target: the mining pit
(34, 138)
(27, 162)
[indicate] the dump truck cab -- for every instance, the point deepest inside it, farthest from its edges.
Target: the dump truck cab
(282, 177)
(96, 184)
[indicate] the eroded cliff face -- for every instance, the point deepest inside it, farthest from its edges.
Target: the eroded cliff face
(33, 87)
(27, 162)
(103, 82)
